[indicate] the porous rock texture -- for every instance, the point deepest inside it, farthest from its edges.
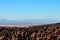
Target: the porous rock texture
(37, 32)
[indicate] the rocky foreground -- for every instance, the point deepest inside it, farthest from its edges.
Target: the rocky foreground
(37, 32)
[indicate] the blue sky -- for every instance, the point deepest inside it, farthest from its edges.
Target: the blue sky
(29, 9)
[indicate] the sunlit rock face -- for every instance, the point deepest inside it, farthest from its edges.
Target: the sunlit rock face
(37, 32)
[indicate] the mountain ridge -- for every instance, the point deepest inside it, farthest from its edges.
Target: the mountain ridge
(30, 21)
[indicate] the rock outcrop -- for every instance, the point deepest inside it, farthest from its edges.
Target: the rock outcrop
(38, 32)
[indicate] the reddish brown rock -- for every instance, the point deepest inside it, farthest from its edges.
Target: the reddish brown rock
(37, 32)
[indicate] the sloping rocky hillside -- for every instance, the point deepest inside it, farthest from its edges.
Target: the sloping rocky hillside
(37, 32)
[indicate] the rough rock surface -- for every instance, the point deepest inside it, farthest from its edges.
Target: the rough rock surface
(37, 32)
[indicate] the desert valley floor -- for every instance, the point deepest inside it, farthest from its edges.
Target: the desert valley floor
(37, 32)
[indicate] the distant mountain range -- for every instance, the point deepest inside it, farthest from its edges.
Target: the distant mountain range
(45, 21)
